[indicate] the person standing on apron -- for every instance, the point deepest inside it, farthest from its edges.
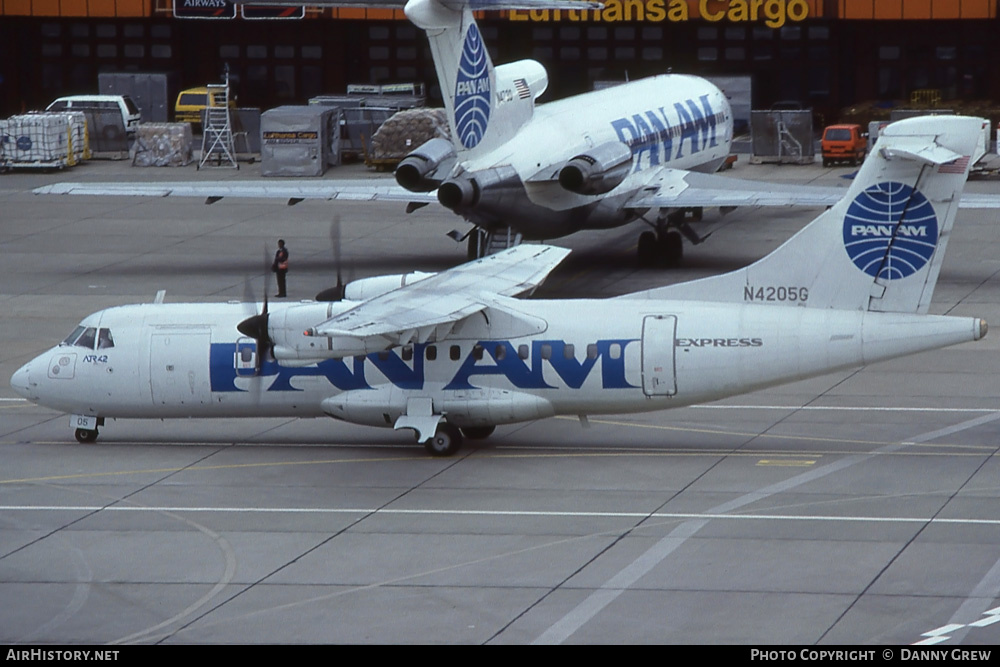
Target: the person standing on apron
(280, 267)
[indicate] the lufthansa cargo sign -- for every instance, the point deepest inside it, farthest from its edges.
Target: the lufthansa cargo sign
(772, 13)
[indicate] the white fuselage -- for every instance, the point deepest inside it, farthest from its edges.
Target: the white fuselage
(668, 121)
(522, 361)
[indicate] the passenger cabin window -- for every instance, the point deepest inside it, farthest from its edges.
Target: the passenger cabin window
(432, 353)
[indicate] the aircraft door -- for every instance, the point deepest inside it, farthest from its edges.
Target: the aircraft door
(659, 376)
(178, 368)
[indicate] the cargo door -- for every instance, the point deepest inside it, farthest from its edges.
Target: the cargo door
(178, 368)
(658, 373)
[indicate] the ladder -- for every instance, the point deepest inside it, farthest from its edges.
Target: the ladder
(217, 135)
(501, 239)
(787, 143)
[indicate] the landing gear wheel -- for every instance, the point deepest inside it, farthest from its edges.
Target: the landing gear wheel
(671, 248)
(446, 441)
(86, 435)
(478, 432)
(647, 249)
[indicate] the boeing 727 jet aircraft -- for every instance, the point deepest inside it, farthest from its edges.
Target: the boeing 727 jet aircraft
(455, 354)
(643, 150)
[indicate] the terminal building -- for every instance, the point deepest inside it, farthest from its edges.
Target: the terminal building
(821, 54)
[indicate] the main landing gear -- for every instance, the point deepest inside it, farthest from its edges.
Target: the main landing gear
(448, 438)
(665, 246)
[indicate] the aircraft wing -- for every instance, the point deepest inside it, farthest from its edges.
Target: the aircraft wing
(673, 188)
(430, 307)
(293, 191)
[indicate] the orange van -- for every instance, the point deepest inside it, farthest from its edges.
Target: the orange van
(844, 142)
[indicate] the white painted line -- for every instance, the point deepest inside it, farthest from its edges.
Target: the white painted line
(555, 514)
(989, 620)
(938, 635)
(940, 433)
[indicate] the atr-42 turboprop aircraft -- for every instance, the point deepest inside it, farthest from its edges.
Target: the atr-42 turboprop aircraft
(454, 353)
(641, 150)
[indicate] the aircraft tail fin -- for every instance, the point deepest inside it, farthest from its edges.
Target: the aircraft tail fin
(486, 105)
(881, 247)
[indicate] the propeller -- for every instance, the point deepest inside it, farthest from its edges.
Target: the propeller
(334, 293)
(255, 326)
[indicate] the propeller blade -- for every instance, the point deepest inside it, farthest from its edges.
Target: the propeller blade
(334, 293)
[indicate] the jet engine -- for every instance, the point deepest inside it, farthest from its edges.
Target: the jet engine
(597, 171)
(416, 171)
(499, 188)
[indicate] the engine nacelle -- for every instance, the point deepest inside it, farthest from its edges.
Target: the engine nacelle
(597, 171)
(417, 170)
(369, 288)
(499, 187)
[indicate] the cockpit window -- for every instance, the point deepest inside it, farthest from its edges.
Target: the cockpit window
(70, 339)
(87, 339)
(104, 339)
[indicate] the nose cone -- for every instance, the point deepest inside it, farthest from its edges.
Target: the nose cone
(21, 382)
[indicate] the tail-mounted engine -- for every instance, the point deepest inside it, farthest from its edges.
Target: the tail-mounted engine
(597, 171)
(423, 169)
(497, 189)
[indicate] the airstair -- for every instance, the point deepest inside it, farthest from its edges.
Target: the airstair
(217, 135)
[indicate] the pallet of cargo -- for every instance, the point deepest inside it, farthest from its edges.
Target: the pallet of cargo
(44, 140)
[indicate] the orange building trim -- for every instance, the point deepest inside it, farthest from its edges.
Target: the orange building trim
(917, 9)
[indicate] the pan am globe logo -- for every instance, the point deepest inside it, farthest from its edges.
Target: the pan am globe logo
(890, 231)
(472, 90)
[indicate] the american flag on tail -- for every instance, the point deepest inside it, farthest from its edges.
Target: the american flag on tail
(523, 91)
